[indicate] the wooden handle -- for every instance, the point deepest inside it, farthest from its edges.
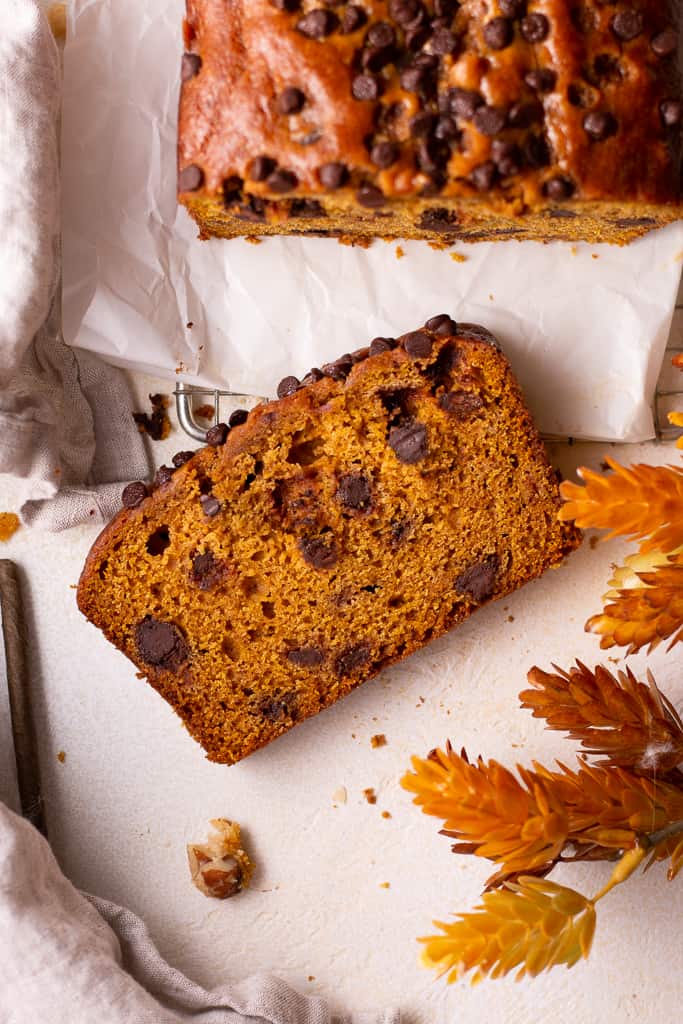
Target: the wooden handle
(25, 747)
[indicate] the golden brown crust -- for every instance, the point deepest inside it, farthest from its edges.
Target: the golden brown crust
(585, 110)
(333, 533)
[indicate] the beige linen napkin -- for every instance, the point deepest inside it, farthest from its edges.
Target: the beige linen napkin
(68, 959)
(66, 431)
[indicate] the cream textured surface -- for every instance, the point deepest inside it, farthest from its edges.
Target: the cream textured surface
(134, 789)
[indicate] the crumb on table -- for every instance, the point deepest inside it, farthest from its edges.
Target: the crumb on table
(385, 885)
(458, 257)
(370, 795)
(378, 740)
(158, 425)
(220, 867)
(9, 524)
(61, 756)
(252, 239)
(339, 796)
(386, 814)
(400, 252)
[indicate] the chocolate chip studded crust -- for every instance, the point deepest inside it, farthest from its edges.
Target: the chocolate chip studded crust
(484, 119)
(340, 528)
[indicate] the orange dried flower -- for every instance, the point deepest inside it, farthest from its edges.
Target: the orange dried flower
(638, 501)
(618, 718)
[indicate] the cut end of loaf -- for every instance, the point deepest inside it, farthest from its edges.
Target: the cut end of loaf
(378, 503)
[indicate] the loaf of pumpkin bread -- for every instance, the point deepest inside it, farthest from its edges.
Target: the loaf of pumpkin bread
(484, 119)
(377, 503)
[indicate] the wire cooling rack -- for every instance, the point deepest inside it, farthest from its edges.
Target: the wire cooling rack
(668, 395)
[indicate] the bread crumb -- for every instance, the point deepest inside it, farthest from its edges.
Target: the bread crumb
(593, 541)
(400, 252)
(311, 977)
(379, 740)
(573, 250)
(385, 885)
(355, 240)
(205, 412)
(458, 257)
(158, 425)
(190, 325)
(61, 756)
(491, 297)
(253, 239)
(56, 16)
(511, 618)
(9, 524)
(370, 795)
(340, 795)
(386, 814)
(595, 256)
(220, 867)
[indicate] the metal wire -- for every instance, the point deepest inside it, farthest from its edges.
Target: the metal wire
(226, 402)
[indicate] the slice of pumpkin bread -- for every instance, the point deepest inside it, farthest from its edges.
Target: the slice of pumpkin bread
(376, 504)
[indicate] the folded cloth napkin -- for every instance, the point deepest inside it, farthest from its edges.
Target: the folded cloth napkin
(65, 418)
(70, 959)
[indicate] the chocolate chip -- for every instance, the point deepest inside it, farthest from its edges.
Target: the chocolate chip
(671, 112)
(279, 710)
(464, 102)
(483, 176)
(333, 175)
(422, 124)
(507, 157)
(354, 491)
(627, 24)
(339, 369)
(380, 34)
(446, 8)
(523, 115)
(558, 188)
(416, 38)
(217, 435)
(306, 657)
(207, 571)
(407, 13)
(192, 62)
(384, 154)
(306, 208)
(190, 178)
(374, 58)
(370, 195)
(365, 87)
(438, 219)
(160, 643)
(286, 5)
(290, 100)
(353, 18)
(489, 120)
(211, 506)
(443, 42)
(352, 659)
(416, 79)
(599, 125)
(163, 475)
(477, 333)
(541, 79)
(320, 552)
(180, 458)
(535, 28)
(287, 386)
(360, 354)
(498, 33)
(417, 344)
(232, 189)
(254, 209)
(312, 377)
(409, 442)
(479, 580)
(432, 155)
(536, 151)
(260, 167)
(282, 181)
(665, 43)
(134, 494)
(512, 8)
(442, 325)
(460, 404)
(237, 418)
(447, 129)
(378, 345)
(317, 24)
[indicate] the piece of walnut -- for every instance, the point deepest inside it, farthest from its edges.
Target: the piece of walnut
(220, 868)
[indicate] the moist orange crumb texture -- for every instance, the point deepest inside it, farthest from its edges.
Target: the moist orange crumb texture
(336, 531)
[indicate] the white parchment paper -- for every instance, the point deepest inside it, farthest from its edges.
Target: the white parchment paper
(584, 326)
